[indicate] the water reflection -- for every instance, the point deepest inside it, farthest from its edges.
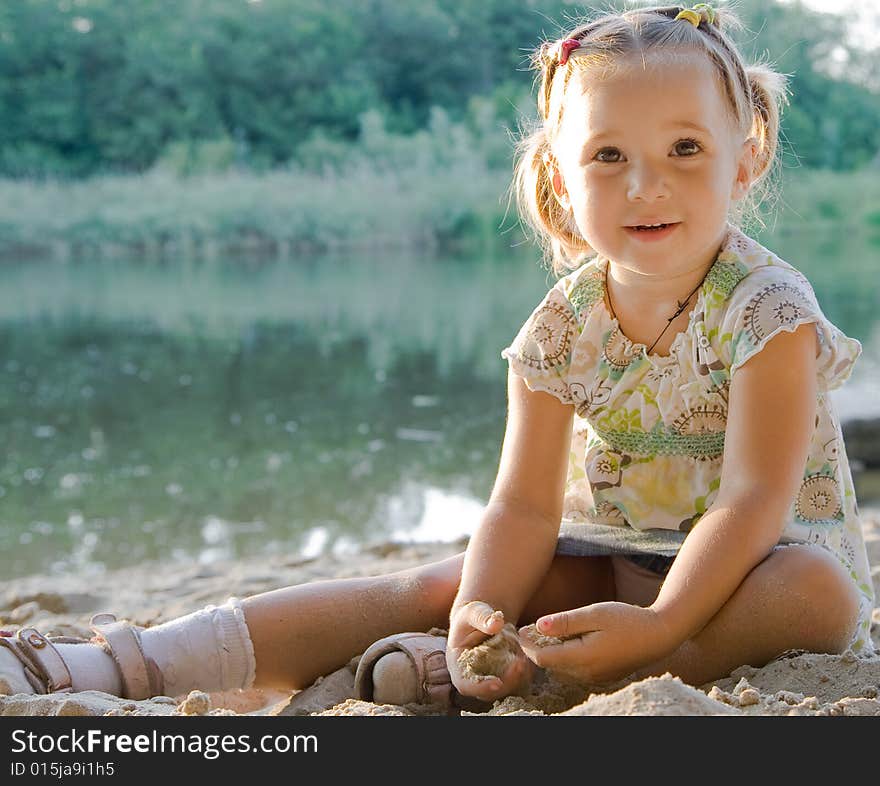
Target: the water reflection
(213, 409)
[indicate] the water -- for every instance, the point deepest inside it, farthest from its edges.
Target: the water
(196, 410)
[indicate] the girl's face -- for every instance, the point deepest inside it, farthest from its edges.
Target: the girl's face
(647, 146)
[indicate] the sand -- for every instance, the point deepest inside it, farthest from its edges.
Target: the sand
(492, 657)
(798, 684)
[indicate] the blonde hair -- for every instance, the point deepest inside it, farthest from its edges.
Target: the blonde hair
(755, 94)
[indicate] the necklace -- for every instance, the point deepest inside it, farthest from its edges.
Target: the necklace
(681, 306)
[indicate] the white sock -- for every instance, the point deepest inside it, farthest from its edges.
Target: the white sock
(208, 650)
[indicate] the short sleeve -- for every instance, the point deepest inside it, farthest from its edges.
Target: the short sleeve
(541, 351)
(773, 299)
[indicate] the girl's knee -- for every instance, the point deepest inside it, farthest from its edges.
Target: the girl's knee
(824, 587)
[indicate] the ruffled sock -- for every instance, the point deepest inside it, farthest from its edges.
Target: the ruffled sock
(208, 650)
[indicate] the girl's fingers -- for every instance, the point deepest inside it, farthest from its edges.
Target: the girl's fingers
(570, 623)
(472, 638)
(490, 687)
(472, 623)
(484, 618)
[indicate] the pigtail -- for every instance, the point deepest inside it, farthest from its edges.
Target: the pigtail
(768, 90)
(546, 61)
(553, 226)
(768, 93)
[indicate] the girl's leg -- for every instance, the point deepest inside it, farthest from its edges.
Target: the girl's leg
(302, 632)
(299, 633)
(307, 630)
(799, 597)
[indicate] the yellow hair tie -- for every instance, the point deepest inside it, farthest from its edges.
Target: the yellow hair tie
(692, 16)
(695, 15)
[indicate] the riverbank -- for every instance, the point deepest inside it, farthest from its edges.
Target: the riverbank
(150, 594)
(419, 203)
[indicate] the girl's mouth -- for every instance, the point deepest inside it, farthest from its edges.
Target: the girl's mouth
(652, 232)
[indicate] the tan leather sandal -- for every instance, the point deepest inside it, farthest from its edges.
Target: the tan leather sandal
(47, 672)
(427, 654)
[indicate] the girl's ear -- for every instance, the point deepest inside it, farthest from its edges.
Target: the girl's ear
(745, 169)
(557, 182)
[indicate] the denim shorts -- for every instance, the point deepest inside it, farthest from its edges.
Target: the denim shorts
(656, 563)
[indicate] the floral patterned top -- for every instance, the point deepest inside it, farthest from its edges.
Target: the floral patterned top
(649, 430)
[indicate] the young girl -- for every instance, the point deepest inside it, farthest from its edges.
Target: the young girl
(673, 491)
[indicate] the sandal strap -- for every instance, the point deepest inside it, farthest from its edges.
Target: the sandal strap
(427, 654)
(44, 668)
(140, 676)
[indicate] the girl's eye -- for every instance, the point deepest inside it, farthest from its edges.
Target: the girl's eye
(685, 148)
(691, 144)
(612, 150)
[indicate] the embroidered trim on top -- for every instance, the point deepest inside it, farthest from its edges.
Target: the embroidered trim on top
(619, 352)
(667, 442)
(585, 293)
(724, 276)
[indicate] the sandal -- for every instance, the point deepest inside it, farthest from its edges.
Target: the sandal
(46, 671)
(426, 653)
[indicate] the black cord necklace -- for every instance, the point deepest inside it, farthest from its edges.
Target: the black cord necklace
(681, 306)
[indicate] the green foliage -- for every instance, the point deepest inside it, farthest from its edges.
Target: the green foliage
(432, 188)
(97, 86)
(822, 198)
(833, 122)
(192, 157)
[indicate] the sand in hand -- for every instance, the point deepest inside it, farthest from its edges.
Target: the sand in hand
(492, 657)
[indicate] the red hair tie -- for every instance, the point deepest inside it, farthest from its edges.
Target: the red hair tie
(565, 48)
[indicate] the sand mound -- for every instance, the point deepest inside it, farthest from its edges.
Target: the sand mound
(666, 695)
(805, 684)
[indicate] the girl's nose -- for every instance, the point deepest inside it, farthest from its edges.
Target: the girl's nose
(646, 184)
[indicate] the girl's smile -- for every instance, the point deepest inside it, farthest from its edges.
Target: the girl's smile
(646, 233)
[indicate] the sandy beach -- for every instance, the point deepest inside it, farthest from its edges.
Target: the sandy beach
(796, 684)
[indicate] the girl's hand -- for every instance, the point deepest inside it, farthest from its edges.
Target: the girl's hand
(469, 626)
(602, 643)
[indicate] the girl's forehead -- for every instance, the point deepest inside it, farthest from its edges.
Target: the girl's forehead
(648, 64)
(688, 89)
(692, 72)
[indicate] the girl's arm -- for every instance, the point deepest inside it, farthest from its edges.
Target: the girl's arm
(515, 541)
(771, 418)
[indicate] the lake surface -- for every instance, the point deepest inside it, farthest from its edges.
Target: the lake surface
(202, 409)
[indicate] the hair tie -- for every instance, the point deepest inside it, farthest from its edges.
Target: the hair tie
(565, 48)
(696, 14)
